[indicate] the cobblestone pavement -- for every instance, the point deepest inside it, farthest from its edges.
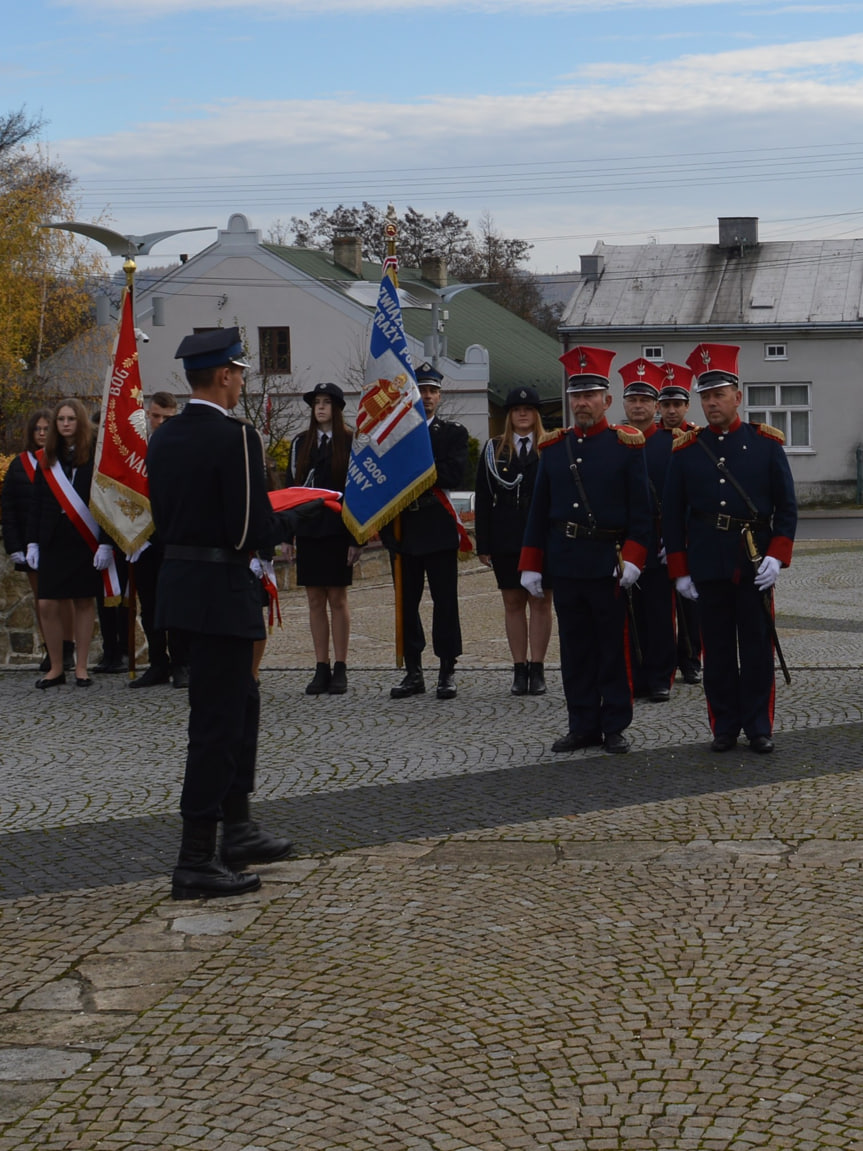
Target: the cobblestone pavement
(479, 946)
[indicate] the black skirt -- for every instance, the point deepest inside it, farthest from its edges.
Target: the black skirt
(66, 566)
(505, 567)
(323, 562)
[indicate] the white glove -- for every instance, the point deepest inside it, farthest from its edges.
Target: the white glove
(686, 587)
(136, 555)
(629, 574)
(18, 558)
(766, 575)
(532, 583)
(256, 569)
(268, 570)
(102, 557)
(33, 556)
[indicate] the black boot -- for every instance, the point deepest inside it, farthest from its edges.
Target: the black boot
(446, 680)
(68, 655)
(243, 841)
(413, 682)
(519, 679)
(339, 682)
(199, 873)
(536, 678)
(320, 681)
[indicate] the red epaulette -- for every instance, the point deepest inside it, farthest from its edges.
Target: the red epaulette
(554, 438)
(684, 439)
(769, 433)
(632, 437)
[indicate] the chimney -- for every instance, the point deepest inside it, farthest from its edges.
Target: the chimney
(592, 266)
(348, 252)
(434, 269)
(738, 232)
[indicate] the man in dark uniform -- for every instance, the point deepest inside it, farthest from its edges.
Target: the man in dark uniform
(429, 548)
(673, 412)
(729, 486)
(654, 655)
(210, 507)
(589, 524)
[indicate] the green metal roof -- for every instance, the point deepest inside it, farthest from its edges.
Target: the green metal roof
(518, 352)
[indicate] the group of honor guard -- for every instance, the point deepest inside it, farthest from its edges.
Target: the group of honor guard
(656, 542)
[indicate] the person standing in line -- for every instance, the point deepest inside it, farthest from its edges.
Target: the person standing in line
(673, 412)
(729, 520)
(17, 496)
(167, 650)
(63, 539)
(326, 551)
(210, 507)
(589, 521)
(429, 548)
(505, 478)
(653, 643)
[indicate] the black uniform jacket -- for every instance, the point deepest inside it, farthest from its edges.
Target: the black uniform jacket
(320, 475)
(18, 492)
(45, 513)
(427, 526)
(208, 490)
(501, 512)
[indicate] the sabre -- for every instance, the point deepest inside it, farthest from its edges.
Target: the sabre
(766, 599)
(630, 608)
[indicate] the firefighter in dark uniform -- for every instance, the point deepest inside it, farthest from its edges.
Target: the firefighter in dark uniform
(429, 548)
(729, 485)
(673, 411)
(589, 524)
(653, 642)
(210, 507)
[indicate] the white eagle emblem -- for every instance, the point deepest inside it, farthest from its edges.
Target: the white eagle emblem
(138, 420)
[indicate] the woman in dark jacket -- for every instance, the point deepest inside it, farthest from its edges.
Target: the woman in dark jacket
(326, 551)
(56, 548)
(505, 477)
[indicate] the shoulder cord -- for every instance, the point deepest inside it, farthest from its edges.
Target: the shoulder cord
(242, 542)
(493, 474)
(576, 475)
(750, 506)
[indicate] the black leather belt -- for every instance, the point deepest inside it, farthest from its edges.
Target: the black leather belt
(206, 555)
(724, 523)
(583, 531)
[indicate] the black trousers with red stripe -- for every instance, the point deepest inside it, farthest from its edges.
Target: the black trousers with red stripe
(739, 679)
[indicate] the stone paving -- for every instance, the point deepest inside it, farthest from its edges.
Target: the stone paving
(479, 946)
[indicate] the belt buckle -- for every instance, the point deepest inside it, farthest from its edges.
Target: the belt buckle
(571, 531)
(723, 522)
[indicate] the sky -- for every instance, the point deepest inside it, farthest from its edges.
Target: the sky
(565, 121)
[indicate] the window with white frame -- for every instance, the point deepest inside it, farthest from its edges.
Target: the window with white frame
(775, 351)
(787, 407)
(655, 353)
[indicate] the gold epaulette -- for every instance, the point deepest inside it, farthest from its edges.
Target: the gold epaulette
(684, 439)
(770, 433)
(632, 437)
(553, 438)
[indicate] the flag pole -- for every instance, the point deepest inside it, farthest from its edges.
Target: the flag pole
(391, 233)
(130, 267)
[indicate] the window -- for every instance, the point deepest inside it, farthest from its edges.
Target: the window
(787, 407)
(775, 352)
(274, 350)
(654, 352)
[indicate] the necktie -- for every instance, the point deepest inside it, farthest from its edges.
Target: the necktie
(522, 451)
(325, 439)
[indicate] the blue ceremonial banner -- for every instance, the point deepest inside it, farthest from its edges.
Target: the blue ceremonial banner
(391, 459)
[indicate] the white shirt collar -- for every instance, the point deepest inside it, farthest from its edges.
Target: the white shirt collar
(210, 404)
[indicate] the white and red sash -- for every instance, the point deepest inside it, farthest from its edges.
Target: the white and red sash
(464, 544)
(86, 526)
(30, 463)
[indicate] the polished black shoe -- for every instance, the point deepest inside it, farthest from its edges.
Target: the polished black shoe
(446, 688)
(536, 679)
(572, 741)
(661, 695)
(180, 676)
(763, 744)
(723, 743)
(691, 677)
(339, 681)
(151, 677)
(320, 681)
(44, 683)
(112, 665)
(247, 843)
(519, 679)
(200, 874)
(616, 743)
(83, 681)
(412, 684)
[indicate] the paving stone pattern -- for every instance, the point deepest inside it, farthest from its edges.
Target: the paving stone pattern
(479, 946)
